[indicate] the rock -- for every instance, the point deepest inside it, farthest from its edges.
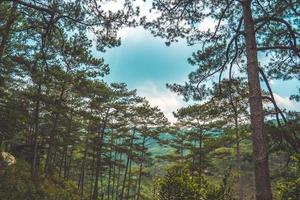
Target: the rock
(6, 160)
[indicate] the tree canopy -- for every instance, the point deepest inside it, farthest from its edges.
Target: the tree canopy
(66, 133)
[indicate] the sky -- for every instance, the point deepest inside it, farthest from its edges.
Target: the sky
(145, 63)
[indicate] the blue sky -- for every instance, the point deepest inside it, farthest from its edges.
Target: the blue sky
(145, 63)
(143, 58)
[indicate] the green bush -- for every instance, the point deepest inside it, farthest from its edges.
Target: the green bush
(179, 184)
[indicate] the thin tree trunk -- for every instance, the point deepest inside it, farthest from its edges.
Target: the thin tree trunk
(97, 174)
(92, 173)
(118, 180)
(238, 152)
(127, 164)
(114, 177)
(36, 132)
(238, 157)
(68, 162)
(53, 134)
(82, 169)
(200, 153)
(260, 153)
(129, 180)
(140, 172)
(139, 180)
(98, 158)
(238, 163)
(109, 173)
(124, 178)
(51, 146)
(61, 164)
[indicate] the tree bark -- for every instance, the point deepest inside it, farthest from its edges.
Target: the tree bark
(83, 163)
(260, 153)
(114, 176)
(127, 164)
(238, 156)
(92, 173)
(118, 179)
(53, 134)
(61, 163)
(98, 158)
(36, 132)
(129, 181)
(110, 171)
(98, 165)
(140, 172)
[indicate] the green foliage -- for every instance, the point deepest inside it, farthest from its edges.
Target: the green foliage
(180, 184)
(288, 185)
(288, 189)
(68, 125)
(16, 183)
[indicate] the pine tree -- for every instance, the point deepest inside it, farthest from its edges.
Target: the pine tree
(263, 26)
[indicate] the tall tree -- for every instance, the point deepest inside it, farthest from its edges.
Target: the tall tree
(267, 26)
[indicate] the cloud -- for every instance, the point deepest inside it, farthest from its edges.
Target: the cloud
(272, 82)
(207, 24)
(112, 6)
(166, 100)
(285, 102)
(144, 6)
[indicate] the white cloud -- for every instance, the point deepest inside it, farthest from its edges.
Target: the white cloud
(207, 24)
(166, 100)
(272, 82)
(132, 34)
(112, 6)
(145, 10)
(117, 5)
(169, 102)
(285, 102)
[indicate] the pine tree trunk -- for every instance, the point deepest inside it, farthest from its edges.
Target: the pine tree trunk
(260, 153)
(36, 132)
(114, 177)
(139, 180)
(51, 146)
(67, 163)
(92, 173)
(82, 169)
(61, 164)
(129, 181)
(53, 134)
(109, 173)
(98, 156)
(119, 178)
(98, 165)
(124, 178)
(127, 165)
(238, 157)
(200, 154)
(140, 172)
(234, 105)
